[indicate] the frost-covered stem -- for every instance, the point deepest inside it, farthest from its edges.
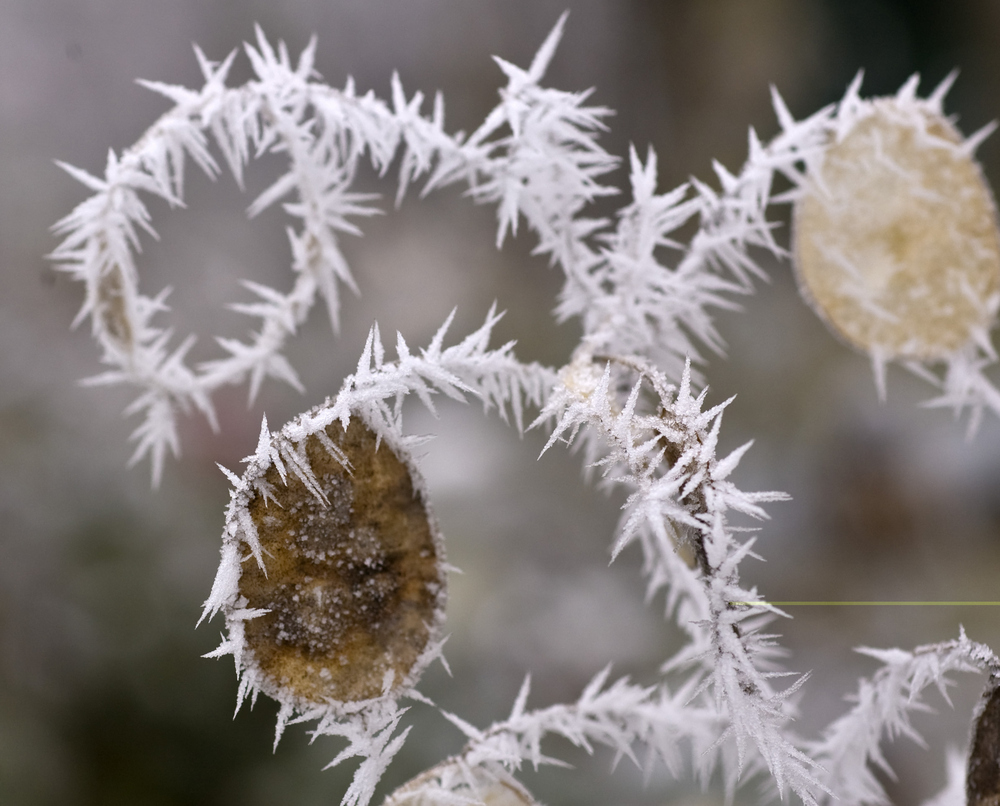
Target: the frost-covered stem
(101, 235)
(282, 314)
(371, 735)
(547, 166)
(883, 703)
(324, 132)
(470, 367)
(620, 716)
(667, 459)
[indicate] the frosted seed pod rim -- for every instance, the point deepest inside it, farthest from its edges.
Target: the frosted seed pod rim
(895, 237)
(457, 781)
(332, 579)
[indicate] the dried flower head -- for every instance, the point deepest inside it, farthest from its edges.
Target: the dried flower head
(340, 598)
(896, 242)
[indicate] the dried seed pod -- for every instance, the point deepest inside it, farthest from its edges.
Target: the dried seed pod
(454, 783)
(982, 778)
(347, 603)
(895, 234)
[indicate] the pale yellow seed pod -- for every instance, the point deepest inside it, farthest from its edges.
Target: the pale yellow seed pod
(895, 235)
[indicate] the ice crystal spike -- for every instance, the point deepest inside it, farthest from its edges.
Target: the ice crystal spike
(896, 240)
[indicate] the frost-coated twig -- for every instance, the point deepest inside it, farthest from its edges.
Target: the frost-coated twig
(850, 745)
(664, 454)
(324, 132)
(535, 155)
(619, 716)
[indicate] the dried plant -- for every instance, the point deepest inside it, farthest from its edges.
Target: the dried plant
(332, 580)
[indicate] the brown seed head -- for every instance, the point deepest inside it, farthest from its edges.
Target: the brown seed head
(355, 586)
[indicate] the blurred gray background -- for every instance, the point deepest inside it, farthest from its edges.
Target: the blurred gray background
(103, 696)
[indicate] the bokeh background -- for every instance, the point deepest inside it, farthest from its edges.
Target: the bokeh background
(104, 698)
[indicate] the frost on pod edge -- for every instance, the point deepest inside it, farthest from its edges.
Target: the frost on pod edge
(455, 783)
(896, 243)
(332, 580)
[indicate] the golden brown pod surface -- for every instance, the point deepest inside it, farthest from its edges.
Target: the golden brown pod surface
(896, 242)
(355, 587)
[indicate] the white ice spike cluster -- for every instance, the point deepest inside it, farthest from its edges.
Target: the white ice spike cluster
(336, 488)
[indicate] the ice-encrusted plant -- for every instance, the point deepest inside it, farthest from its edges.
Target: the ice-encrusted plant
(332, 579)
